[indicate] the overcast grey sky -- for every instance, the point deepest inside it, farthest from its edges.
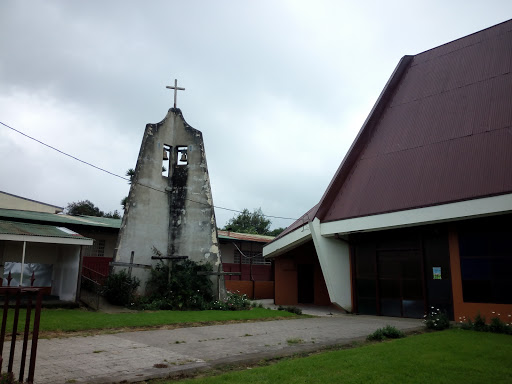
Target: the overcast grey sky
(278, 88)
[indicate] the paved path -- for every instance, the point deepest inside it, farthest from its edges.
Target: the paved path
(138, 356)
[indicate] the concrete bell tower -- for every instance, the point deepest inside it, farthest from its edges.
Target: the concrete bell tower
(170, 205)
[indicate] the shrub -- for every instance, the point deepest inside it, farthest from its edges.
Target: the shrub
(233, 302)
(181, 288)
(436, 319)
(388, 332)
(119, 288)
(498, 326)
(290, 309)
(479, 323)
(378, 335)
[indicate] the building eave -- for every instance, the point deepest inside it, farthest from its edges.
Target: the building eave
(47, 239)
(287, 242)
(428, 215)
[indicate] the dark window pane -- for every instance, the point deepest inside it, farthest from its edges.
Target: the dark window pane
(412, 289)
(475, 269)
(476, 291)
(391, 307)
(367, 306)
(439, 291)
(413, 308)
(365, 264)
(389, 268)
(389, 288)
(365, 288)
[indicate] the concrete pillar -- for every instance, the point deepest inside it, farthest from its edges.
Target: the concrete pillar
(334, 257)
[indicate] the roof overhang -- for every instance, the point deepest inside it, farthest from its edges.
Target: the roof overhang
(461, 210)
(47, 239)
(287, 242)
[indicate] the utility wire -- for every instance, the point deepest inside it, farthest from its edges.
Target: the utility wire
(125, 178)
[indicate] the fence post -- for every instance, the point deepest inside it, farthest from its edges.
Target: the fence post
(35, 338)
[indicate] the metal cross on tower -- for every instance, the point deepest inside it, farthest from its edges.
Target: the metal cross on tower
(176, 89)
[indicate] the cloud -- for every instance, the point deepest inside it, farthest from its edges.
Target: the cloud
(279, 89)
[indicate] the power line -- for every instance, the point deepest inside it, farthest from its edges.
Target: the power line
(125, 178)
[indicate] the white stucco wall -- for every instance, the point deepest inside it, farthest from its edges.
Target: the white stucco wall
(65, 273)
(64, 258)
(8, 201)
(334, 257)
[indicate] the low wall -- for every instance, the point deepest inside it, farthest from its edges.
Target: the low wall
(255, 290)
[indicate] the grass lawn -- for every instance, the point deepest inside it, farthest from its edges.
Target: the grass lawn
(73, 320)
(452, 356)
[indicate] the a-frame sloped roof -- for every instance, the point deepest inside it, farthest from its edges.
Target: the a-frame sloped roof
(440, 132)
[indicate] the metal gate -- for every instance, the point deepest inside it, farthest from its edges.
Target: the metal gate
(22, 297)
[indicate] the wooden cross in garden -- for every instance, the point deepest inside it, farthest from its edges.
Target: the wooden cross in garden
(176, 89)
(218, 274)
(171, 259)
(130, 265)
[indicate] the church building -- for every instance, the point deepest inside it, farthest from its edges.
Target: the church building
(419, 213)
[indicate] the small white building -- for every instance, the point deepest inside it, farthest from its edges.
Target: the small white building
(48, 254)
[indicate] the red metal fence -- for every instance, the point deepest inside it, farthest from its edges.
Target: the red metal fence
(23, 296)
(96, 267)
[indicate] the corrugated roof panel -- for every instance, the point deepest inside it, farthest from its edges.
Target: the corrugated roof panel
(26, 229)
(500, 115)
(59, 218)
(444, 136)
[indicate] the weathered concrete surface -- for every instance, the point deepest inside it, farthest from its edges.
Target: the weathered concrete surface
(171, 211)
(132, 356)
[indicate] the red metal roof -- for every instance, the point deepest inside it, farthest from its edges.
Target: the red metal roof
(442, 132)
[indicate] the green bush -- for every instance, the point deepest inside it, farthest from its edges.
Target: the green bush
(290, 309)
(119, 288)
(233, 302)
(498, 326)
(388, 332)
(181, 288)
(479, 323)
(437, 320)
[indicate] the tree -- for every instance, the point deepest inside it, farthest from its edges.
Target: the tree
(87, 208)
(113, 215)
(124, 202)
(130, 174)
(247, 222)
(276, 231)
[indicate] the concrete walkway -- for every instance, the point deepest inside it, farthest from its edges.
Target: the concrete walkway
(138, 356)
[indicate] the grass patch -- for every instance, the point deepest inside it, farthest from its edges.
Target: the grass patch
(451, 356)
(76, 320)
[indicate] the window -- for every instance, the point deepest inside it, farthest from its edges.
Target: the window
(257, 258)
(182, 155)
(486, 266)
(96, 249)
(166, 161)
